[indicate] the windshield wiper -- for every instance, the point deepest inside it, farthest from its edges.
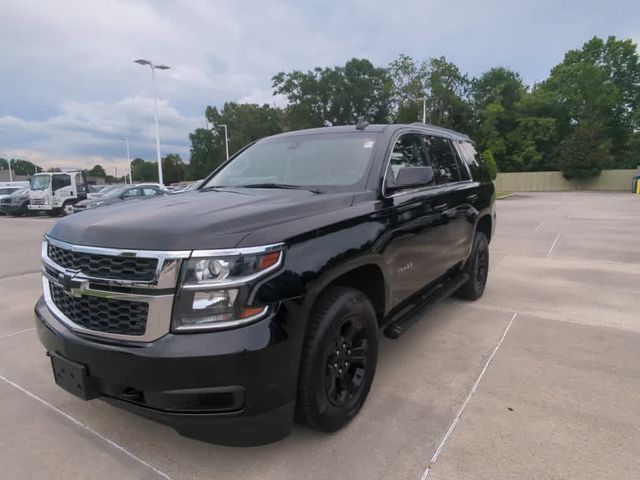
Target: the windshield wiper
(285, 186)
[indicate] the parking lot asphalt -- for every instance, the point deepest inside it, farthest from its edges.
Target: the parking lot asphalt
(538, 379)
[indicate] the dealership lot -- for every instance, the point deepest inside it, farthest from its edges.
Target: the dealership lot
(538, 379)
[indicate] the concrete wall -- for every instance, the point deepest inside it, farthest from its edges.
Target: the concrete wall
(611, 180)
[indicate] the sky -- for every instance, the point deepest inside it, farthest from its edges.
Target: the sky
(69, 90)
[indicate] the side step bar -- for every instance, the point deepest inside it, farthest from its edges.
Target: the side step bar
(406, 320)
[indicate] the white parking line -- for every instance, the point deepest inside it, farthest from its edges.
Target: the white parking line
(540, 224)
(16, 333)
(87, 428)
(553, 246)
(466, 402)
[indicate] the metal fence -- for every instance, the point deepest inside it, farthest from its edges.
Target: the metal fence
(608, 180)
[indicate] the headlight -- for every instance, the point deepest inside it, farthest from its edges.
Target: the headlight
(214, 289)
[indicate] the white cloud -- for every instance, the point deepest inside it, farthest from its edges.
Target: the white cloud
(95, 130)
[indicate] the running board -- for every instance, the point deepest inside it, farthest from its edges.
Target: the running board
(407, 320)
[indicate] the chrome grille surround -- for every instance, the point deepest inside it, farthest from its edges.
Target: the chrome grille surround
(157, 292)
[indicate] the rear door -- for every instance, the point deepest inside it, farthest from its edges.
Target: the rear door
(417, 230)
(459, 195)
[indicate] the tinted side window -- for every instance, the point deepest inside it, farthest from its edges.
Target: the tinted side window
(407, 152)
(446, 168)
(134, 192)
(60, 181)
(473, 160)
(148, 192)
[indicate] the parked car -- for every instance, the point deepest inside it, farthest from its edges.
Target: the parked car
(17, 203)
(95, 190)
(223, 310)
(5, 191)
(187, 187)
(120, 194)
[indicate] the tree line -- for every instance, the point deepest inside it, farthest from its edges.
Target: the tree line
(581, 119)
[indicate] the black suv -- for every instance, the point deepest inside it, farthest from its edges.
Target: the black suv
(225, 310)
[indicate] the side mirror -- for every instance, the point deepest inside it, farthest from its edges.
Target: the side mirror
(412, 177)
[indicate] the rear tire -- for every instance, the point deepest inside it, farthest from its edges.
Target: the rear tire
(477, 267)
(338, 359)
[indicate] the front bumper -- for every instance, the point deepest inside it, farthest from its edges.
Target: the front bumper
(233, 387)
(10, 208)
(41, 207)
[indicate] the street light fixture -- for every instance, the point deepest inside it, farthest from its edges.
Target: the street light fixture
(153, 66)
(126, 141)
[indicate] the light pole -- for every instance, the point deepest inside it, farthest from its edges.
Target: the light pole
(11, 176)
(424, 109)
(153, 66)
(226, 138)
(126, 142)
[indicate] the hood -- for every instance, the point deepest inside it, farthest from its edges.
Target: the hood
(194, 220)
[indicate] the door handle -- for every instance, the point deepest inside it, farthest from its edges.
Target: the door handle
(472, 197)
(441, 207)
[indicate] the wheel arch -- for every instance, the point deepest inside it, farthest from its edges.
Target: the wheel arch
(485, 225)
(367, 278)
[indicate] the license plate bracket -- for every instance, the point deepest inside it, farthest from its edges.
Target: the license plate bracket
(73, 377)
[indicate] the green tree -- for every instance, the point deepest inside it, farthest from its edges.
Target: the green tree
(97, 171)
(585, 152)
(490, 160)
(143, 171)
(173, 169)
(448, 95)
(409, 81)
(20, 166)
(339, 95)
(495, 98)
(206, 152)
(245, 123)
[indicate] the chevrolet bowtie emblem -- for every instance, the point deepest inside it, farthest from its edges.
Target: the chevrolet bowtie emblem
(70, 285)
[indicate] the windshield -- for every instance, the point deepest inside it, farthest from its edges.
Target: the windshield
(313, 161)
(8, 190)
(40, 182)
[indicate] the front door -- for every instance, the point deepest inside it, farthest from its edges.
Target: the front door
(415, 249)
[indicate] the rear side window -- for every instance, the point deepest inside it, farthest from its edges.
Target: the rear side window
(473, 160)
(446, 165)
(149, 192)
(407, 152)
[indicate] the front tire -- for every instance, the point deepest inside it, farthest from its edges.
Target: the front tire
(338, 359)
(67, 209)
(477, 268)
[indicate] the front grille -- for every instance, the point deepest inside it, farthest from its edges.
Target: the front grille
(99, 314)
(37, 201)
(5, 201)
(104, 266)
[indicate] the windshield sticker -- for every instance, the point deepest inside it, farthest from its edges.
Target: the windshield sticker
(368, 144)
